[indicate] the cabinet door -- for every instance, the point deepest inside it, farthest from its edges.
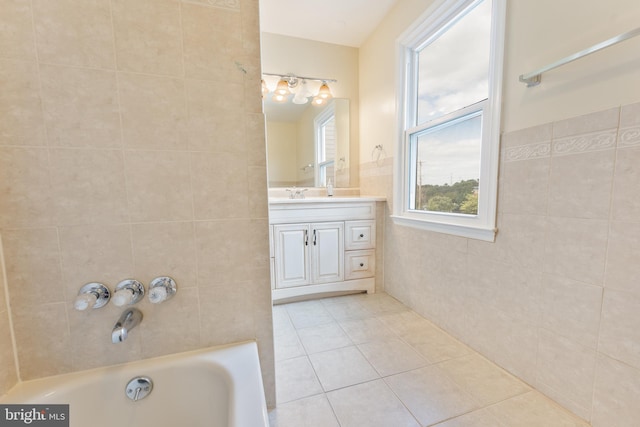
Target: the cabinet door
(327, 249)
(291, 255)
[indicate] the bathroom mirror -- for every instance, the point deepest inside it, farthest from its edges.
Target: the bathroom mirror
(307, 145)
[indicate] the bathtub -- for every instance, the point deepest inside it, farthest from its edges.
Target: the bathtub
(213, 387)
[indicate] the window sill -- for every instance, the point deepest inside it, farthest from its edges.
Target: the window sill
(478, 233)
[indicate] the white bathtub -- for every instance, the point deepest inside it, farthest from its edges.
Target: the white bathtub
(214, 387)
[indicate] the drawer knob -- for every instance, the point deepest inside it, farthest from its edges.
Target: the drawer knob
(361, 236)
(362, 264)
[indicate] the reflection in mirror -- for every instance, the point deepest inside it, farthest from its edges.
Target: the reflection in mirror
(307, 145)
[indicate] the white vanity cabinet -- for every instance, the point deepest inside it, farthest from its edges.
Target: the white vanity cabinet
(308, 254)
(321, 246)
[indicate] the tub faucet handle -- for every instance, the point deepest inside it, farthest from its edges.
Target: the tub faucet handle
(92, 295)
(161, 289)
(128, 292)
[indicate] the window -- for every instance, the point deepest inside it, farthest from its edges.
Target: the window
(325, 126)
(449, 115)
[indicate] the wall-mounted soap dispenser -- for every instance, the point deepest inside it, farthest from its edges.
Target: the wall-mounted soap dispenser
(92, 295)
(128, 292)
(161, 289)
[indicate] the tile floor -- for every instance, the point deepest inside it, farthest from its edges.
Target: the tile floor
(369, 361)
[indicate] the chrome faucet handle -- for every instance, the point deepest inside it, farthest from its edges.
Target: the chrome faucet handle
(92, 295)
(161, 289)
(128, 292)
(292, 194)
(301, 192)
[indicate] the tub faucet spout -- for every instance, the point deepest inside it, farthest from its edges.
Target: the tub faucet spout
(129, 319)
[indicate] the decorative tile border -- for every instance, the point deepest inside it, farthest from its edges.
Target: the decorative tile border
(586, 142)
(529, 151)
(629, 137)
(224, 4)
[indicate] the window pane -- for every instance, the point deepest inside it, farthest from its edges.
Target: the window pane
(328, 151)
(453, 70)
(447, 169)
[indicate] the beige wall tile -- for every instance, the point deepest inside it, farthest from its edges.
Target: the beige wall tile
(580, 184)
(529, 136)
(8, 376)
(80, 107)
(159, 186)
(148, 36)
(230, 306)
(95, 253)
(33, 266)
(571, 309)
(616, 392)
(40, 327)
(256, 147)
(88, 186)
(598, 121)
(629, 132)
(171, 326)
(622, 267)
(20, 106)
(216, 118)
(524, 186)
(620, 330)
(566, 367)
(220, 185)
(231, 251)
(25, 188)
(91, 345)
(576, 248)
(166, 248)
(74, 32)
(153, 111)
(16, 33)
(212, 43)
(625, 206)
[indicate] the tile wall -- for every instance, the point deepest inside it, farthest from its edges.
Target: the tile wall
(8, 374)
(556, 299)
(132, 145)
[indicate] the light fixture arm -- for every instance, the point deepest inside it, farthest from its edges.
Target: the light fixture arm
(293, 80)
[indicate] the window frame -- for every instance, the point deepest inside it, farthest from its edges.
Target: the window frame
(319, 124)
(435, 21)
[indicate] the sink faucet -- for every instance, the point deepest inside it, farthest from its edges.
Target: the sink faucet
(296, 193)
(128, 320)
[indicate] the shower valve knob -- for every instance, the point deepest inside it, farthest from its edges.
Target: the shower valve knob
(161, 289)
(92, 295)
(128, 292)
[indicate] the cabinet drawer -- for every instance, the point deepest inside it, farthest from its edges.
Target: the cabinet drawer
(360, 235)
(360, 264)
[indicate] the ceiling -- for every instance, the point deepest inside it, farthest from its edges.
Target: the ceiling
(343, 22)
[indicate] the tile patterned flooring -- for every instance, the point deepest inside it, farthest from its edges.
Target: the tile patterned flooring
(369, 361)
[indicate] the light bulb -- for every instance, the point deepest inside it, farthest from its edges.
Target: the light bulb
(283, 88)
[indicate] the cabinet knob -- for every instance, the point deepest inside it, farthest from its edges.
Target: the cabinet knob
(362, 264)
(361, 236)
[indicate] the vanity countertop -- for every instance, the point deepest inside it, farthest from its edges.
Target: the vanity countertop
(326, 199)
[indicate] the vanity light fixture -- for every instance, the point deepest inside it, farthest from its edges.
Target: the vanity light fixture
(290, 83)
